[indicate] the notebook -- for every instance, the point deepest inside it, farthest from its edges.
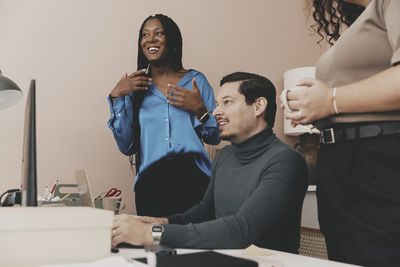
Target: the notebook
(84, 188)
(201, 259)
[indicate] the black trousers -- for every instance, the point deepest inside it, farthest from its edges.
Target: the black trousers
(358, 197)
(170, 186)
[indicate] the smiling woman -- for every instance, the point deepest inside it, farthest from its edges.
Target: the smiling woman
(161, 114)
(154, 41)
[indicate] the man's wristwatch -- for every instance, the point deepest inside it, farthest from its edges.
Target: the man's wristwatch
(204, 118)
(156, 232)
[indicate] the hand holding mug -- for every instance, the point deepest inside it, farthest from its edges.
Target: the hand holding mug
(309, 101)
(288, 111)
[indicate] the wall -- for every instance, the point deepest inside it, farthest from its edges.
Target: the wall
(77, 50)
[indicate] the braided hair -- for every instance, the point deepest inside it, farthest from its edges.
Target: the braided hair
(174, 47)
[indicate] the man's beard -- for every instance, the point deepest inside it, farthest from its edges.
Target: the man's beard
(228, 137)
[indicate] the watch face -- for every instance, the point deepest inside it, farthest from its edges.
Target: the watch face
(157, 228)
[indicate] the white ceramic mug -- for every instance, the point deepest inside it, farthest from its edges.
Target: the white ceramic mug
(284, 96)
(309, 127)
(114, 204)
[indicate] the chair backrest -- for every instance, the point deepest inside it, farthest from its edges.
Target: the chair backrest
(312, 243)
(212, 151)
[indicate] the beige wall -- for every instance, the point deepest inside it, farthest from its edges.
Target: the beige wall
(77, 50)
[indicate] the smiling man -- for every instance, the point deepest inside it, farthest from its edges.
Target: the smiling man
(257, 185)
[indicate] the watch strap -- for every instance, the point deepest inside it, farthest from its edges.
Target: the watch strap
(204, 118)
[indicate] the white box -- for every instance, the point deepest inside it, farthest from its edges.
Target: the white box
(32, 236)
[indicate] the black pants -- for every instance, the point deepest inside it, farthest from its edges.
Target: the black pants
(359, 200)
(170, 186)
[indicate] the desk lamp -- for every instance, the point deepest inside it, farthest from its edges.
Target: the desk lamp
(10, 93)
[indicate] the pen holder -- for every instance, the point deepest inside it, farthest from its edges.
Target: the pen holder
(98, 204)
(114, 204)
(45, 203)
(72, 200)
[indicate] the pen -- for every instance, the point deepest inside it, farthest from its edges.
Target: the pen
(147, 70)
(64, 197)
(54, 187)
(98, 195)
(103, 195)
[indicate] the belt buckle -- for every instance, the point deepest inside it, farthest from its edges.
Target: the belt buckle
(328, 136)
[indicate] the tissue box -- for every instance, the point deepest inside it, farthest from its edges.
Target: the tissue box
(32, 236)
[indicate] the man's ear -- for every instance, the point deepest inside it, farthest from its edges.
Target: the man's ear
(260, 105)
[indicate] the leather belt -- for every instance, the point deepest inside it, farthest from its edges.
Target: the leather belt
(341, 134)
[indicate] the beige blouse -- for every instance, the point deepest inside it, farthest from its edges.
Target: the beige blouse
(371, 45)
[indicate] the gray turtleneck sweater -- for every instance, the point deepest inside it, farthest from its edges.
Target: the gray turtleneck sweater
(255, 196)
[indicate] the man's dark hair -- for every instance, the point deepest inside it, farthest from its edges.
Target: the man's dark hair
(174, 43)
(252, 87)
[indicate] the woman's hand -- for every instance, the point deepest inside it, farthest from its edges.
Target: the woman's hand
(131, 230)
(310, 104)
(189, 100)
(130, 83)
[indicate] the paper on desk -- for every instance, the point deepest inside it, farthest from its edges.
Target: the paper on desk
(115, 261)
(255, 253)
(253, 250)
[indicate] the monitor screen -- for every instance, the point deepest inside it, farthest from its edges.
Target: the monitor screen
(28, 178)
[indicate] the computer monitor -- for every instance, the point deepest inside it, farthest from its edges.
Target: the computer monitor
(29, 173)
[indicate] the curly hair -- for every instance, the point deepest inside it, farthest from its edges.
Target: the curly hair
(174, 42)
(330, 15)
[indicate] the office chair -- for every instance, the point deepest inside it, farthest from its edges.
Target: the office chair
(312, 243)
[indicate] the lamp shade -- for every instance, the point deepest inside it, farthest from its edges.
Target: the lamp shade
(10, 93)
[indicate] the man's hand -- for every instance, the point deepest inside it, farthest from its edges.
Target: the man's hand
(152, 220)
(189, 100)
(131, 230)
(129, 83)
